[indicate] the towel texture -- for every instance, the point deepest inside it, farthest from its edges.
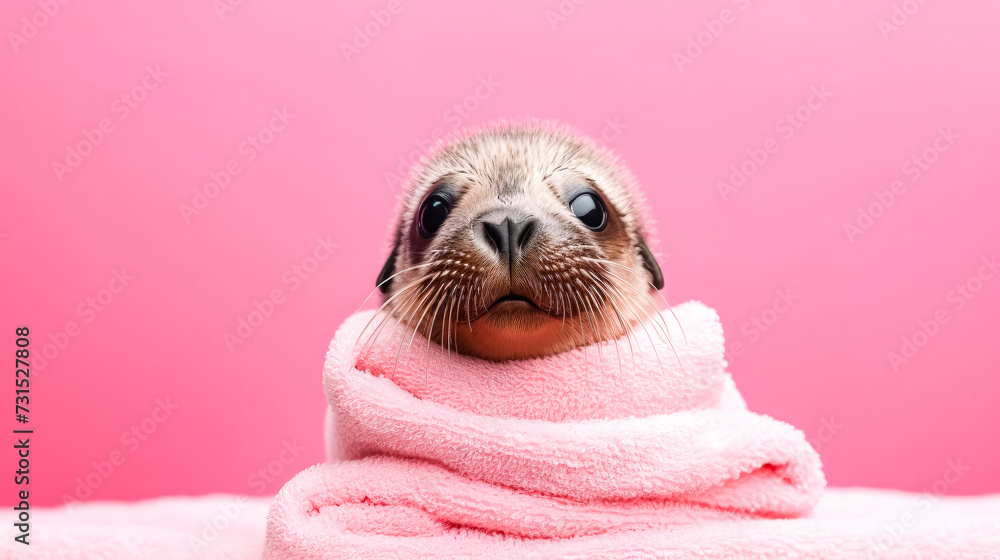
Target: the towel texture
(214, 527)
(576, 425)
(643, 434)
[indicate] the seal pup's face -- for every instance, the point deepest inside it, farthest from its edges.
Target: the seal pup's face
(520, 241)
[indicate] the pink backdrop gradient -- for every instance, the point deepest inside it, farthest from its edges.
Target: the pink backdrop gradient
(198, 83)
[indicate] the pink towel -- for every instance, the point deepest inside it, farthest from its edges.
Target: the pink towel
(640, 447)
(213, 527)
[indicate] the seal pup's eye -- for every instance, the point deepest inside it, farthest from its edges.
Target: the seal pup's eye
(587, 206)
(432, 214)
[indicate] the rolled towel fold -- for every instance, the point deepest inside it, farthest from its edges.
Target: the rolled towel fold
(646, 433)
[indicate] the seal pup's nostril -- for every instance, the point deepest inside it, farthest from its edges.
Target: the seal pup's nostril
(498, 235)
(523, 231)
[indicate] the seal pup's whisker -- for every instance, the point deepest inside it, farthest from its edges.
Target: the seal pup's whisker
(385, 317)
(408, 306)
(583, 333)
(417, 327)
(430, 292)
(453, 321)
(626, 327)
(447, 319)
(664, 330)
(409, 310)
(630, 306)
(468, 313)
(385, 304)
(431, 330)
(389, 279)
(394, 312)
(457, 304)
(402, 338)
(661, 329)
(663, 299)
(595, 329)
(563, 301)
(594, 299)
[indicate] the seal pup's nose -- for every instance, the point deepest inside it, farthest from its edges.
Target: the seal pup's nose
(509, 237)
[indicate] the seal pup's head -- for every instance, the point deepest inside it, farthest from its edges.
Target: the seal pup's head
(520, 240)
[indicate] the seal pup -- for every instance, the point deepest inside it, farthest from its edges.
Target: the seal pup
(519, 240)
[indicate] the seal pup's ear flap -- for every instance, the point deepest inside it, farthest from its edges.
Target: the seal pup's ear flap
(383, 282)
(650, 264)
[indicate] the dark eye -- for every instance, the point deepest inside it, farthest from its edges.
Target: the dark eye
(587, 206)
(432, 214)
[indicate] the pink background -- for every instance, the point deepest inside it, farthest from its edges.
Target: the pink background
(823, 363)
